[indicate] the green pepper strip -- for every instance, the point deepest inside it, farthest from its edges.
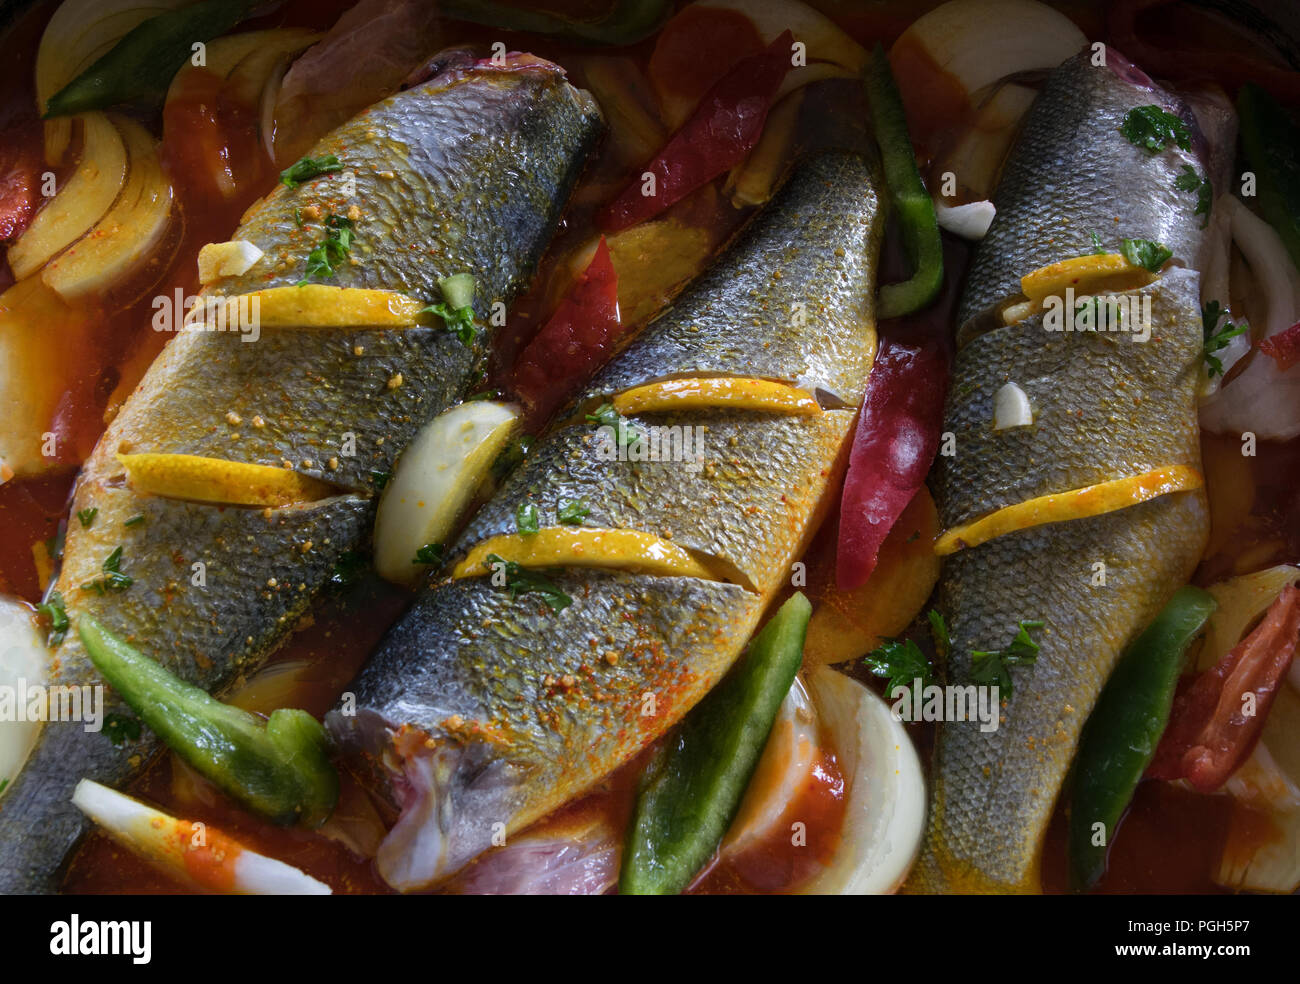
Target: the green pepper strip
(907, 194)
(1121, 735)
(278, 768)
(692, 789)
(1270, 141)
(627, 22)
(140, 67)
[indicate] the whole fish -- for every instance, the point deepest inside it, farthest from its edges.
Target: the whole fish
(1106, 405)
(466, 173)
(484, 709)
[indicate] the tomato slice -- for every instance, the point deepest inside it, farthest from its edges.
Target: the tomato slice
(20, 169)
(1218, 714)
(575, 341)
(1284, 347)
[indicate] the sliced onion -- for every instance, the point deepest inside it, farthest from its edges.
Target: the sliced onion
(884, 789)
(978, 42)
(976, 157)
(1262, 399)
(24, 663)
(253, 63)
(171, 845)
(119, 243)
(754, 180)
(80, 203)
(627, 101)
(78, 34)
(247, 59)
(435, 479)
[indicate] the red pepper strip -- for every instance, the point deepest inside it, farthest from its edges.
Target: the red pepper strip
(1229, 68)
(1284, 347)
(20, 168)
(575, 341)
(896, 441)
(715, 139)
(1209, 736)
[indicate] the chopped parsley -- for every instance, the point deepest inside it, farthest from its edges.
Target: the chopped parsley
(521, 580)
(456, 309)
(430, 553)
(347, 569)
(1146, 254)
(993, 667)
(526, 519)
(3, 784)
(332, 251)
(58, 616)
(113, 579)
(512, 456)
(121, 728)
(606, 416)
(54, 545)
(1189, 180)
(1152, 129)
(939, 630)
(133, 521)
(899, 661)
(1217, 338)
(87, 516)
(380, 478)
(1097, 248)
(573, 512)
(308, 168)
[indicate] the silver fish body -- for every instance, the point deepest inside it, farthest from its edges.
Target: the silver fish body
(1106, 405)
(481, 713)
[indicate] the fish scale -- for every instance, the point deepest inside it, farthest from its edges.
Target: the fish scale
(1104, 407)
(467, 173)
